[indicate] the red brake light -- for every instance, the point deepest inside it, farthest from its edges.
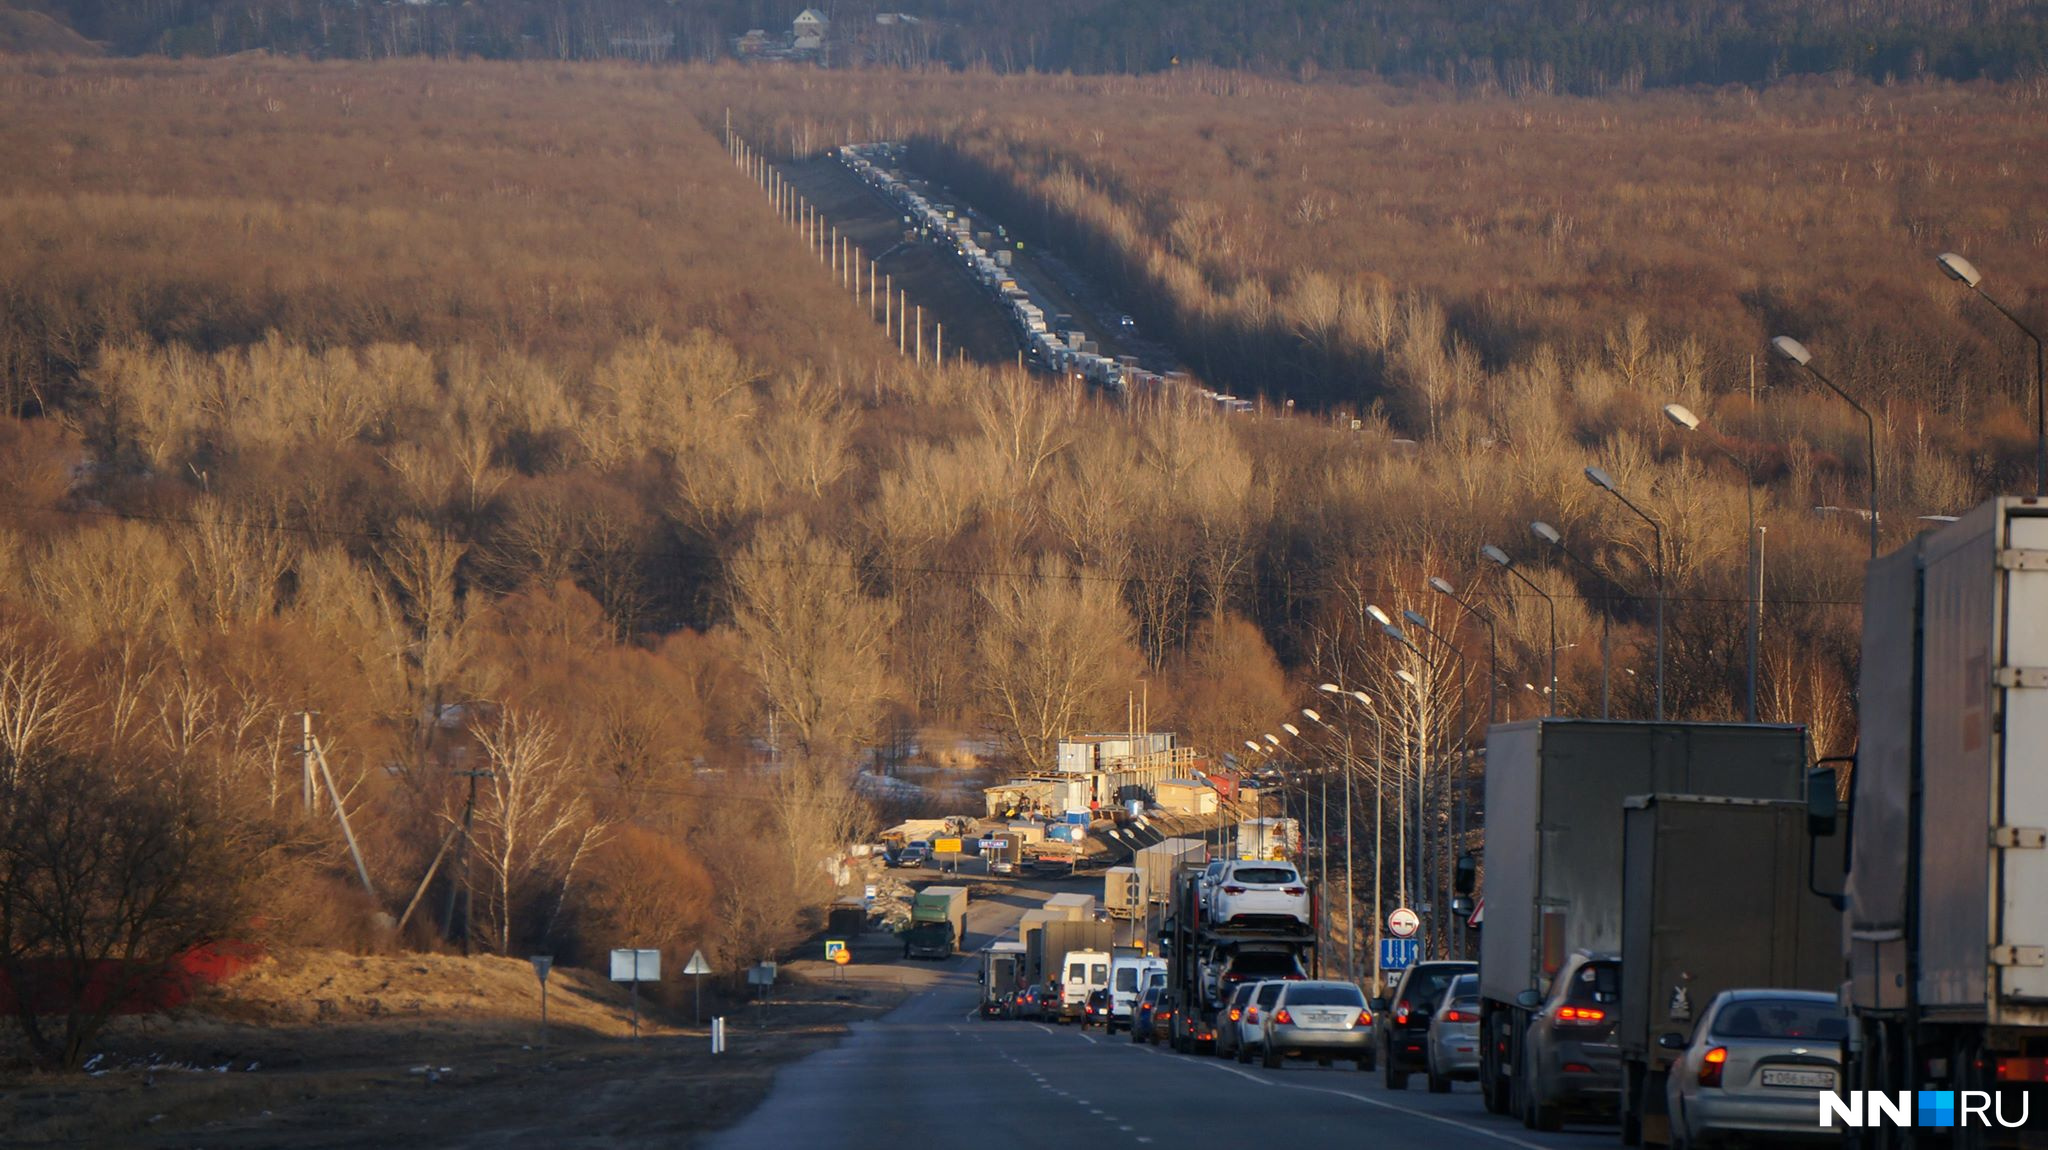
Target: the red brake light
(1294, 890)
(1459, 1016)
(1233, 890)
(1364, 1018)
(1401, 1011)
(1236, 1013)
(1284, 1018)
(1584, 1016)
(1711, 1065)
(2023, 1070)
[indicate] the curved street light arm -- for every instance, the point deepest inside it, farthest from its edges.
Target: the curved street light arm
(2040, 393)
(1870, 434)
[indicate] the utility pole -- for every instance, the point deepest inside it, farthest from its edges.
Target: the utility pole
(309, 795)
(461, 885)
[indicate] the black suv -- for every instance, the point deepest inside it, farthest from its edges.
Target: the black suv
(1403, 1020)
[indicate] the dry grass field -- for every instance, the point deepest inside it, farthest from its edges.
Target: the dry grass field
(431, 1049)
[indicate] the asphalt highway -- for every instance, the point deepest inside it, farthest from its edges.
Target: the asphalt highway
(932, 1073)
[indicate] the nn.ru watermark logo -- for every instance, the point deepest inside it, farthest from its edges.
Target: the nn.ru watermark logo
(1923, 1108)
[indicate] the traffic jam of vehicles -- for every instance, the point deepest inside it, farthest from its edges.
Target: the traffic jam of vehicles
(1690, 931)
(1051, 340)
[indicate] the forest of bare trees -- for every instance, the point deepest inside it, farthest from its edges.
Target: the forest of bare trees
(485, 411)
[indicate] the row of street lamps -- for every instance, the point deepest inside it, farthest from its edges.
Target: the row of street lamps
(1786, 348)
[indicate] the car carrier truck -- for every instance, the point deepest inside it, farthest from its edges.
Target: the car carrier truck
(1205, 960)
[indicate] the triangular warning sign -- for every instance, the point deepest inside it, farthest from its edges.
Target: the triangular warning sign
(697, 964)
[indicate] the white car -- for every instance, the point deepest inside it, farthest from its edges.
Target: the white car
(1206, 885)
(1251, 1027)
(1260, 894)
(1127, 975)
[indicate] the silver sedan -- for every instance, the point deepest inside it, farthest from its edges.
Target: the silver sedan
(1453, 1051)
(1319, 1020)
(1756, 1065)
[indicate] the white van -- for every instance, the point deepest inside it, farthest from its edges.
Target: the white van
(1082, 973)
(1126, 983)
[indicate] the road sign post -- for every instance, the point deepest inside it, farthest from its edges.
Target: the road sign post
(542, 963)
(634, 967)
(761, 976)
(697, 968)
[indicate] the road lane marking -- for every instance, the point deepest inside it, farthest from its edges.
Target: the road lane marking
(1398, 1109)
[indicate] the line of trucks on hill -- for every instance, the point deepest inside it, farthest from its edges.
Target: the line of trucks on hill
(1634, 871)
(1051, 339)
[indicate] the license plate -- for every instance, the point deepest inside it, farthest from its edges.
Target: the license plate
(1810, 1079)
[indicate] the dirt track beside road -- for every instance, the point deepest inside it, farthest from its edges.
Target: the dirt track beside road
(445, 1052)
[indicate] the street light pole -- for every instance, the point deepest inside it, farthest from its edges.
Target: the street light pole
(1420, 771)
(1555, 538)
(1792, 351)
(1443, 587)
(1606, 483)
(1378, 825)
(1454, 927)
(1682, 416)
(1506, 564)
(1350, 907)
(1322, 831)
(1964, 272)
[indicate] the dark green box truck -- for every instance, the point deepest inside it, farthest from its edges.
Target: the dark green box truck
(1717, 895)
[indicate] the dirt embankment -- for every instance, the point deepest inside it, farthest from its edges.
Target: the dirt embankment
(340, 1050)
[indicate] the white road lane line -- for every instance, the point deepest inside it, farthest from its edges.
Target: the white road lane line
(1374, 1102)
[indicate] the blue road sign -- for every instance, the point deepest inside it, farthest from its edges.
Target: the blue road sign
(1399, 953)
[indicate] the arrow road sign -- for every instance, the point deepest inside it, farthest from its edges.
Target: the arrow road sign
(1399, 953)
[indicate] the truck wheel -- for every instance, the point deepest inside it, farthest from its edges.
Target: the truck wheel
(1274, 1058)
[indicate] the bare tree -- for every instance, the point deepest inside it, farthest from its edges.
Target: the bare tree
(234, 566)
(815, 639)
(102, 885)
(1023, 425)
(1056, 653)
(533, 825)
(41, 704)
(422, 563)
